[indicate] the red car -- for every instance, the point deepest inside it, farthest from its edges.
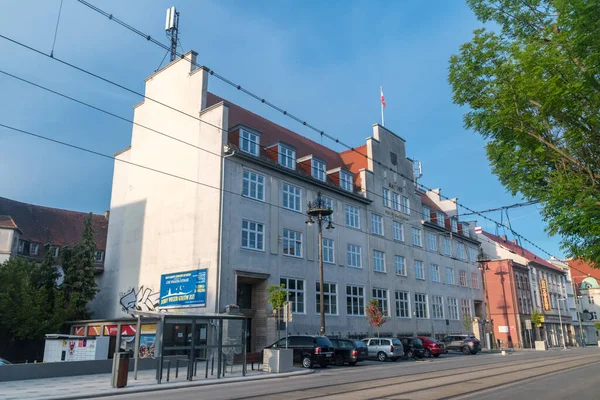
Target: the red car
(432, 346)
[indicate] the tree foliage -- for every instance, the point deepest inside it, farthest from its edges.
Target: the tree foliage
(375, 315)
(277, 298)
(532, 86)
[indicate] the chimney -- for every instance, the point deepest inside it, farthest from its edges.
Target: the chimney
(516, 241)
(504, 237)
(107, 214)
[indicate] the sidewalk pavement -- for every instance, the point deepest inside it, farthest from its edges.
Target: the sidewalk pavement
(90, 386)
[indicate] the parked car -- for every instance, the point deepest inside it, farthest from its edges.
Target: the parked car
(308, 350)
(413, 347)
(4, 362)
(432, 346)
(363, 350)
(467, 344)
(384, 348)
(345, 351)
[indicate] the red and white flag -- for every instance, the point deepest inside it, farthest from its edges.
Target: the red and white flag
(382, 97)
(478, 229)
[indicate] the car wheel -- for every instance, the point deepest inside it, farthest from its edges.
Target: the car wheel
(381, 356)
(339, 360)
(352, 363)
(307, 362)
(436, 355)
(466, 351)
(410, 354)
(427, 353)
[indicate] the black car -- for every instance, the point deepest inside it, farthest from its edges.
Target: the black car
(345, 352)
(466, 344)
(308, 350)
(362, 349)
(413, 347)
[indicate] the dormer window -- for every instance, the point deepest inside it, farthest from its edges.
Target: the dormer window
(287, 157)
(21, 247)
(318, 169)
(427, 213)
(346, 180)
(34, 249)
(454, 224)
(440, 220)
(249, 142)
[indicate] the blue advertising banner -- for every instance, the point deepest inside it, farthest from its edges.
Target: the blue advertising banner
(183, 289)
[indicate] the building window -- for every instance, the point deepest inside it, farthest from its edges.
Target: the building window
(398, 230)
(426, 211)
(465, 305)
(354, 257)
(328, 251)
(472, 254)
(34, 249)
(99, 256)
(400, 266)
(435, 272)
(452, 308)
(396, 201)
(460, 250)
(291, 197)
(318, 170)
(594, 316)
(465, 230)
(21, 247)
(419, 272)
(346, 181)
(292, 243)
(329, 298)
(253, 235)
(329, 203)
(416, 236)
(454, 224)
(381, 295)
(441, 219)
(405, 205)
(437, 307)
(378, 261)
(474, 280)
(287, 157)
(421, 305)
(253, 185)
(355, 300)
(295, 293)
(376, 224)
(462, 278)
(402, 307)
(385, 195)
(249, 142)
(590, 299)
(450, 276)
(432, 243)
(447, 246)
(56, 250)
(352, 217)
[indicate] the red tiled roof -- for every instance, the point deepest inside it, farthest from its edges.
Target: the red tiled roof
(272, 133)
(580, 269)
(7, 222)
(521, 251)
(52, 225)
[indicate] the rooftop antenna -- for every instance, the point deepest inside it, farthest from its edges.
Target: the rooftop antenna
(418, 170)
(172, 29)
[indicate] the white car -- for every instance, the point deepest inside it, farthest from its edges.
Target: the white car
(384, 348)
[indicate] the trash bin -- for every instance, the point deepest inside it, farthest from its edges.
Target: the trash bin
(122, 369)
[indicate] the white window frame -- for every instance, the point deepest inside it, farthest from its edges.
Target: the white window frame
(287, 157)
(249, 142)
(378, 261)
(419, 269)
(329, 203)
(318, 169)
(352, 214)
(295, 292)
(454, 225)
(400, 263)
(353, 256)
(432, 242)
(417, 238)
(398, 231)
(474, 280)
(252, 180)
(21, 247)
(437, 307)
(426, 211)
(33, 246)
(441, 219)
(98, 259)
(450, 273)
(248, 230)
(327, 294)
(405, 205)
(292, 197)
(346, 181)
(376, 224)
(328, 251)
(434, 270)
(386, 197)
(447, 246)
(396, 201)
(465, 305)
(460, 251)
(56, 251)
(462, 278)
(402, 299)
(452, 308)
(292, 240)
(420, 306)
(382, 296)
(357, 300)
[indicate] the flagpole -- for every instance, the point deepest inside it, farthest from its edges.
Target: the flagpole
(381, 92)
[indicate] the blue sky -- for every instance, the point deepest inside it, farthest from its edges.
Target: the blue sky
(322, 61)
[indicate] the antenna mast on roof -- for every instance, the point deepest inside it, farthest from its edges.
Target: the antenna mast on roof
(172, 29)
(417, 170)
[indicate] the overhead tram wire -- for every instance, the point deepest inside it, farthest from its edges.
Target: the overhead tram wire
(265, 102)
(517, 205)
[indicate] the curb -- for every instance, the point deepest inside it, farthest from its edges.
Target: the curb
(178, 385)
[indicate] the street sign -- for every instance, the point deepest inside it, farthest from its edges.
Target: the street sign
(544, 295)
(527, 324)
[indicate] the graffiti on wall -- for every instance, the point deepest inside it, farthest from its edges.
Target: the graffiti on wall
(142, 299)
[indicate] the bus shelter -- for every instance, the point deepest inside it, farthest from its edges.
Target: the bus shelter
(195, 343)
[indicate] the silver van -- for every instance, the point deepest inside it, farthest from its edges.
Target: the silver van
(384, 348)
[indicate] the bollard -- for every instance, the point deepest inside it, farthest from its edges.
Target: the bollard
(176, 368)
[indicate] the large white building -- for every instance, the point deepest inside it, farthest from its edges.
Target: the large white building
(244, 222)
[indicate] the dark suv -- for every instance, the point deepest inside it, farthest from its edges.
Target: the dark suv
(467, 344)
(346, 352)
(308, 350)
(413, 347)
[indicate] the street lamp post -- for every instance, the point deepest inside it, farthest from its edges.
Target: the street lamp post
(562, 334)
(483, 267)
(320, 212)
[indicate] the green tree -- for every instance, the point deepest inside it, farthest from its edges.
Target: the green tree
(536, 321)
(277, 298)
(468, 323)
(79, 283)
(532, 87)
(375, 315)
